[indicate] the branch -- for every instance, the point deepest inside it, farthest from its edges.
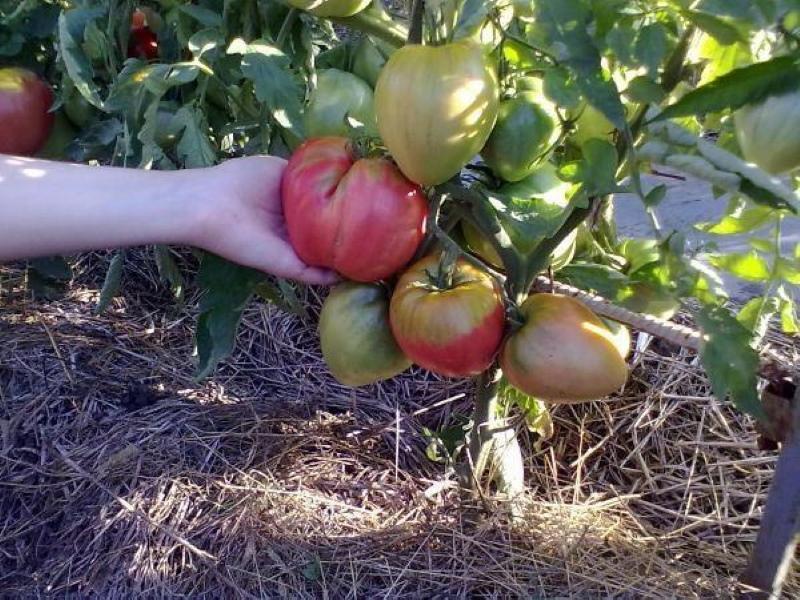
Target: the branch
(375, 24)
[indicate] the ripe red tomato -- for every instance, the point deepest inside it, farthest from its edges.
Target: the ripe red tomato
(25, 122)
(143, 43)
(454, 330)
(360, 217)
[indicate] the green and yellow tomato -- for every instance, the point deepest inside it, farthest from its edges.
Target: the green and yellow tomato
(25, 117)
(525, 129)
(563, 353)
(340, 105)
(453, 328)
(356, 339)
(331, 8)
(767, 132)
(436, 106)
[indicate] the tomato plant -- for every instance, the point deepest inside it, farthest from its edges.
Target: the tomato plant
(358, 216)
(25, 117)
(356, 339)
(519, 124)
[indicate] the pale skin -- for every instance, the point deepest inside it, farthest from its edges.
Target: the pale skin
(233, 210)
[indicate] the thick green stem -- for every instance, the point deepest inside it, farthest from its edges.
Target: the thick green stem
(417, 14)
(376, 24)
(479, 438)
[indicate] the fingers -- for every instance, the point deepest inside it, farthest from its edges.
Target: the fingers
(315, 276)
(289, 265)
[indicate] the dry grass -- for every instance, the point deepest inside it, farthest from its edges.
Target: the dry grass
(119, 476)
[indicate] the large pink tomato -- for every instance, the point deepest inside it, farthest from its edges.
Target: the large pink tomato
(25, 120)
(360, 217)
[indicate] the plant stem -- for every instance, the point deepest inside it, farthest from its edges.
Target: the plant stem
(779, 533)
(479, 438)
(286, 28)
(375, 24)
(417, 14)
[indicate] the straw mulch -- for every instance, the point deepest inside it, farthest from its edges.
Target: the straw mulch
(121, 477)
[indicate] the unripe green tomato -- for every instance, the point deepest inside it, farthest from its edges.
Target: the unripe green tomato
(768, 132)
(369, 58)
(591, 123)
(61, 135)
(340, 105)
(167, 131)
(331, 8)
(356, 339)
(525, 129)
(78, 109)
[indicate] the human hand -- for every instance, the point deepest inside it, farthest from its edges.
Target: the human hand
(242, 219)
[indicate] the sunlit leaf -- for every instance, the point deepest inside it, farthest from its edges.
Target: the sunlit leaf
(750, 266)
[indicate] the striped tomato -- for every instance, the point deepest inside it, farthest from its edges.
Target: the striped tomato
(360, 217)
(563, 353)
(452, 328)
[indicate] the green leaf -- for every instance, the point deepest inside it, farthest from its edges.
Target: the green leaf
(268, 68)
(638, 253)
(560, 88)
(600, 279)
(789, 323)
(750, 266)
(720, 30)
(741, 219)
(471, 15)
(227, 289)
(652, 44)
(756, 315)
(565, 23)
(111, 283)
(194, 147)
(536, 414)
(168, 270)
(644, 90)
(283, 295)
(205, 16)
(729, 360)
(71, 27)
(599, 167)
(737, 88)
(654, 197)
(788, 270)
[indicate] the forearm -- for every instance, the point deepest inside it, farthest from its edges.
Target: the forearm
(59, 208)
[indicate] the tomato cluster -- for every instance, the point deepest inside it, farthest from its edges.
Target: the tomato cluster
(434, 108)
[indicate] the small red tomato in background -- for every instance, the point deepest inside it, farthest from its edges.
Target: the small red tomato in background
(453, 327)
(143, 42)
(25, 120)
(360, 217)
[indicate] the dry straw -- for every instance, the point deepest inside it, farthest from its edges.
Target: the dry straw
(120, 477)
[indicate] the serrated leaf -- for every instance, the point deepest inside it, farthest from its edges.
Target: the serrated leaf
(600, 279)
(111, 283)
(268, 68)
(644, 90)
(729, 360)
(750, 265)
(227, 289)
(71, 26)
(737, 88)
(565, 23)
(599, 167)
(638, 253)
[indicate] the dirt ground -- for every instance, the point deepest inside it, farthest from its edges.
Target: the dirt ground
(121, 477)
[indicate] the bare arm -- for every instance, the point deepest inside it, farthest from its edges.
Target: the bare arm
(233, 210)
